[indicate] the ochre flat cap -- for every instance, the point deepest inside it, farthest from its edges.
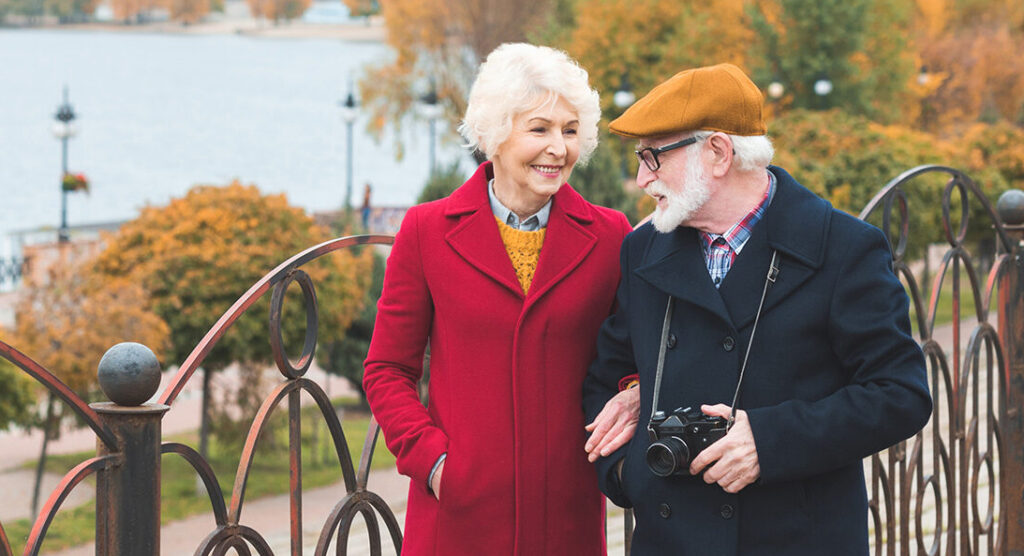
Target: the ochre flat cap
(715, 98)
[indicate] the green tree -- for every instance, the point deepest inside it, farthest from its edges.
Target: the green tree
(442, 183)
(860, 46)
(344, 355)
(601, 180)
(199, 253)
(16, 396)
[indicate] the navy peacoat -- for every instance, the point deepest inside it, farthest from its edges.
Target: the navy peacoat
(834, 375)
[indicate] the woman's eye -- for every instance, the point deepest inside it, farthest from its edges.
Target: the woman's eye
(571, 131)
(538, 130)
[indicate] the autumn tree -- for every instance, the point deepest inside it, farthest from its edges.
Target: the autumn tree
(201, 252)
(648, 41)
(277, 10)
(187, 11)
(66, 322)
(439, 43)
(70, 10)
(970, 53)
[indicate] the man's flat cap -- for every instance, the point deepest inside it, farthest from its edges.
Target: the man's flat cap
(715, 98)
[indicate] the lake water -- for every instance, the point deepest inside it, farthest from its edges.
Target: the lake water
(159, 113)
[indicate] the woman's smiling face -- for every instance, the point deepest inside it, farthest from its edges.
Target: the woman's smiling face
(538, 156)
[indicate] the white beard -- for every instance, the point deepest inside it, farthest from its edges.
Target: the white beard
(681, 205)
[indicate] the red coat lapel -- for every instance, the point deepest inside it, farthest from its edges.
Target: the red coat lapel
(567, 243)
(475, 234)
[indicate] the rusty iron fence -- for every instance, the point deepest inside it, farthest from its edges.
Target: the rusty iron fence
(954, 489)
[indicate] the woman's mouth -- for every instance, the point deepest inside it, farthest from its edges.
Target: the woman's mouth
(548, 171)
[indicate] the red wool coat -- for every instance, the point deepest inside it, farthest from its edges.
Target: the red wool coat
(506, 375)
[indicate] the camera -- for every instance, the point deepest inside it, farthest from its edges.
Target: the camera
(678, 437)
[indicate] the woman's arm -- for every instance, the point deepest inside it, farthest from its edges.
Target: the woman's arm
(395, 361)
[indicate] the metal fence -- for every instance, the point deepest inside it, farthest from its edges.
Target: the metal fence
(955, 488)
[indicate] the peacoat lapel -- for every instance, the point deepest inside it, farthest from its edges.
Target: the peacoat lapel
(674, 264)
(474, 233)
(796, 224)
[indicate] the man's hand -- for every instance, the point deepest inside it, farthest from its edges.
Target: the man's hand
(435, 481)
(615, 425)
(733, 459)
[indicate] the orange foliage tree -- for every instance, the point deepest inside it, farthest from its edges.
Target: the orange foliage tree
(648, 41)
(439, 42)
(66, 322)
(187, 11)
(971, 51)
(201, 252)
(276, 10)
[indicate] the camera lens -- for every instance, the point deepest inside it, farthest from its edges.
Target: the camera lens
(668, 457)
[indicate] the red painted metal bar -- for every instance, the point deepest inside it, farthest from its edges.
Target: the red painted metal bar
(195, 359)
(60, 493)
(61, 390)
(5, 545)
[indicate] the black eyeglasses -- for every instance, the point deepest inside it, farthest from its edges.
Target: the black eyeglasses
(649, 156)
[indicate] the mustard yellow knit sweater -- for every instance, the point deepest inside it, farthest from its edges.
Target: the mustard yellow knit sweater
(524, 250)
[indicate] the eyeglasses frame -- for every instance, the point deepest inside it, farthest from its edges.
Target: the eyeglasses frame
(655, 151)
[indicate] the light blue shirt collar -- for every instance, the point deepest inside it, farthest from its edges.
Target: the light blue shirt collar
(531, 223)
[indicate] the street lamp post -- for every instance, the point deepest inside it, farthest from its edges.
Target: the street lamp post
(64, 129)
(623, 99)
(431, 110)
(348, 115)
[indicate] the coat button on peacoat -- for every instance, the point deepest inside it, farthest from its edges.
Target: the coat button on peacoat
(664, 510)
(728, 343)
(727, 511)
(671, 341)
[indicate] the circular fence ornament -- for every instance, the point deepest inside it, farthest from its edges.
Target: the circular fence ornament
(129, 374)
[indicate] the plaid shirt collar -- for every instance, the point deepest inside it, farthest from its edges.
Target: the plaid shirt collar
(739, 233)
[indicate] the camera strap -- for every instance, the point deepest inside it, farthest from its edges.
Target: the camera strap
(773, 273)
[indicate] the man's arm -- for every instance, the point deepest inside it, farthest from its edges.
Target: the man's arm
(886, 397)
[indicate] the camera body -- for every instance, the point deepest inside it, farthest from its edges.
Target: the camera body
(677, 438)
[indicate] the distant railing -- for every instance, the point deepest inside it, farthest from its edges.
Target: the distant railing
(10, 272)
(952, 489)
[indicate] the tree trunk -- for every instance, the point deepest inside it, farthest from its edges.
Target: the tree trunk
(41, 464)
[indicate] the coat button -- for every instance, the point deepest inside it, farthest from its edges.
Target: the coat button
(664, 510)
(728, 343)
(671, 341)
(727, 511)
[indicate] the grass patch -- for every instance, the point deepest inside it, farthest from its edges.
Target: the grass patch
(944, 310)
(268, 475)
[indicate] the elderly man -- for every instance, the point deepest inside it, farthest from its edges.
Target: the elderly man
(768, 334)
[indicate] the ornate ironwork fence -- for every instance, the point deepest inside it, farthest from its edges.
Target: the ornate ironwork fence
(955, 488)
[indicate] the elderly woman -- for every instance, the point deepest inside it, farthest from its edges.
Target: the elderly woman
(508, 280)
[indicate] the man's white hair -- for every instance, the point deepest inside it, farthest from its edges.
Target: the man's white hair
(517, 77)
(752, 152)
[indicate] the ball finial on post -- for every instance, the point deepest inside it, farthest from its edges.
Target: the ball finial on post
(1010, 207)
(129, 374)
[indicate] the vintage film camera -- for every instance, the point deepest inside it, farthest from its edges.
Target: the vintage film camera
(678, 437)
